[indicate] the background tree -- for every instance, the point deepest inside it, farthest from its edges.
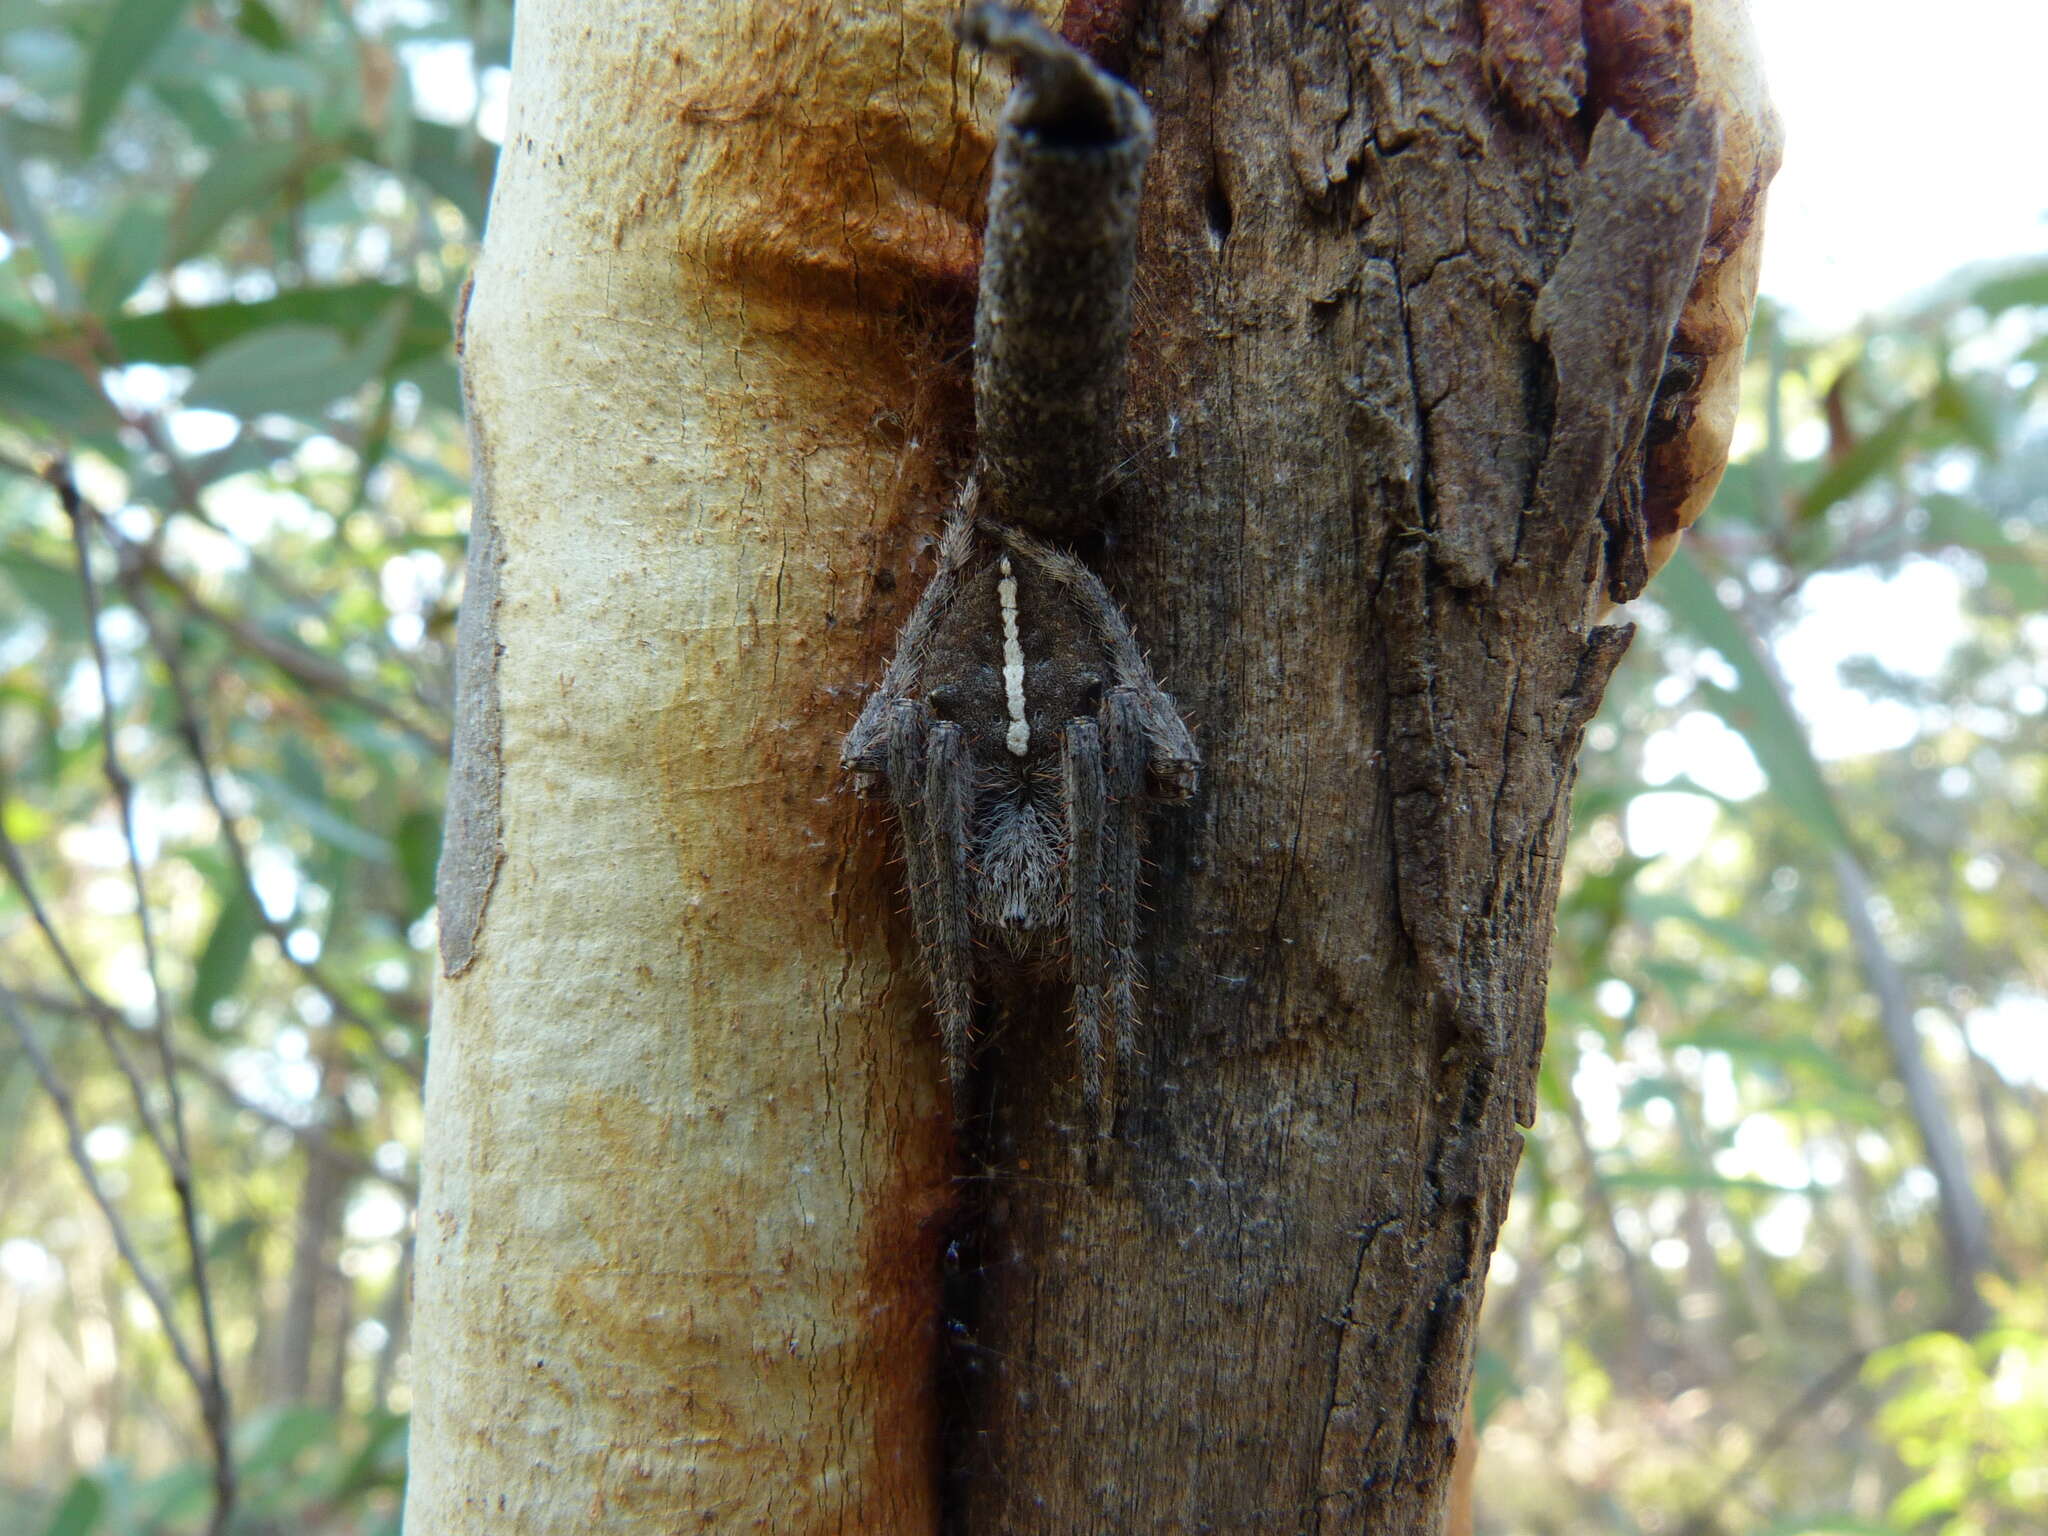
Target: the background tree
(1725, 1201)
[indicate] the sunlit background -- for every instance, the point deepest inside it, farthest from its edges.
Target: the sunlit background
(1750, 1283)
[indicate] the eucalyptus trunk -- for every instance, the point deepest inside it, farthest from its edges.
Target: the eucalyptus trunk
(697, 1247)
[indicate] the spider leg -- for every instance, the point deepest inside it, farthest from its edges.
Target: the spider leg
(1126, 751)
(1088, 811)
(865, 752)
(949, 954)
(926, 770)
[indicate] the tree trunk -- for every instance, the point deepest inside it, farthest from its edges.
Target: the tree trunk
(1406, 286)
(686, 1161)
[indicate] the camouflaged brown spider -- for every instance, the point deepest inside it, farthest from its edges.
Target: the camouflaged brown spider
(1018, 731)
(1019, 734)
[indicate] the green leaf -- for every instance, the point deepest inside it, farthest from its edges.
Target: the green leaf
(164, 1503)
(225, 959)
(182, 337)
(419, 855)
(1794, 1054)
(1754, 707)
(51, 391)
(204, 118)
(1967, 409)
(438, 381)
(378, 1464)
(52, 590)
(78, 1513)
(320, 818)
(213, 57)
(457, 165)
(290, 369)
(1882, 450)
(132, 249)
(236, 1239)
(1946, 1487)
(275, 1437)
(135, 30)
(242, 179)
(1953, 520)
(1647, 907)
(258, 22)
(379, 345)
(2019, 286)
(1695, 1179)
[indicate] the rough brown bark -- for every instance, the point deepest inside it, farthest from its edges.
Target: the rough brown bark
(1401, 327)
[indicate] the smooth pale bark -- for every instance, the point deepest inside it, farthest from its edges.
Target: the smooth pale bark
(678, 1258)
(687, 1169)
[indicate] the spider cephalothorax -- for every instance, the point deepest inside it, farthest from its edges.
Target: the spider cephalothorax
(1019, 734)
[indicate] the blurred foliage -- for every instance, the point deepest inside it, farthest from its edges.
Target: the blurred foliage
(1725, 1291)
(234, 236)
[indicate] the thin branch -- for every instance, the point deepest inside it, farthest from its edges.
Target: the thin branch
(1703, 1521)
(74, 1135)
(1803, 1410)
(313, 1137)
(193, 735)
(188, 498)
(313, 672)
(104, 1015)
(213, 1390)
(28, 217)
(1965, 1227)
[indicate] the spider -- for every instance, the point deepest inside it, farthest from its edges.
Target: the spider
(1019, 734)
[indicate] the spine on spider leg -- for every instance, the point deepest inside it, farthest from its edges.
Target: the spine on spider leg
(1053, 323)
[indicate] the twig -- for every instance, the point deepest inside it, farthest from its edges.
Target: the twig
(1702, 1521)
(304, 667)
(213, 1385)
(159, 1300)
(192, 734)
(29, 217)
(104, 1015)
(187, 489)
(314, 1138)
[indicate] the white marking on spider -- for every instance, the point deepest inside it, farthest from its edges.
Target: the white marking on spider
(1019, 738)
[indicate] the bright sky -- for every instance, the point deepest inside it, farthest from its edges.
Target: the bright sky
(1913, 144)
(1913, 147)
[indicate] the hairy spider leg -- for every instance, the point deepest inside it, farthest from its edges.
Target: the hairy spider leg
(1126, 752)
(911, 747)
(949, 957)
(1088, 812)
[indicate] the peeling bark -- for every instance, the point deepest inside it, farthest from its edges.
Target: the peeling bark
(471, 845)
